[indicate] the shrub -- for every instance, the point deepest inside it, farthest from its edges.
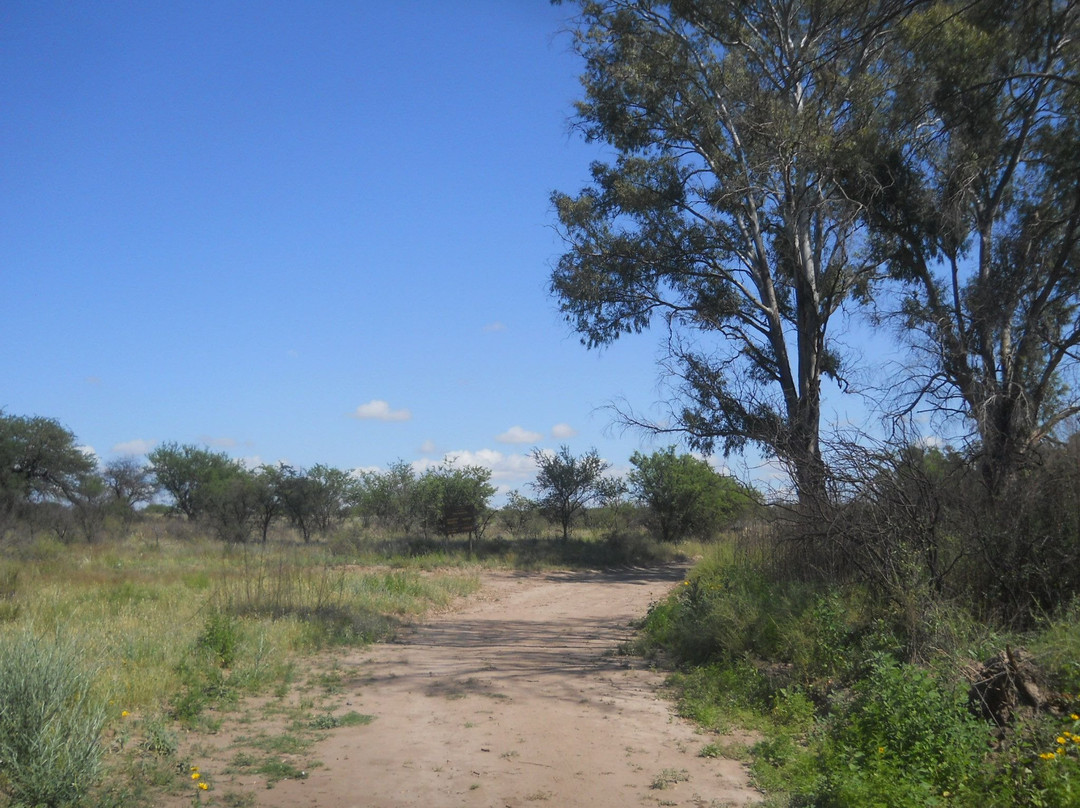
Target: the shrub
(221, 638)
(905, 739)
(50, 723)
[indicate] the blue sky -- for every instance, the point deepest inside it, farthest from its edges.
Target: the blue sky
(312, 232)
(317, 232)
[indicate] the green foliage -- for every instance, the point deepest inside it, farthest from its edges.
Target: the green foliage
(719, 695)
(158, 739)
(905, 740)
(130, 483)
(192, 476)
(707, 108)
(1037, 765)
(317, 500)
(1057, 644)
(685, 497)
(221, 637)
(726, 611)
(390, 497)
(973, 210)
(520, 515)
(39, 460)
(448, 491)
(232, 503)
(50, 723)
(565, 484)
(331, 721)
(812, 667)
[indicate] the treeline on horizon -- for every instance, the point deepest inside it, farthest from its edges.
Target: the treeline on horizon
(49, 485)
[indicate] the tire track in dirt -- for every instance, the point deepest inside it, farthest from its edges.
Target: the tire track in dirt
(517, 699)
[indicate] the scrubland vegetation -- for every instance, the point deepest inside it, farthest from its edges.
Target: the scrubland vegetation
(126, 631)
(110, 652)
(901, 629)
(918, 644)
(914, 640)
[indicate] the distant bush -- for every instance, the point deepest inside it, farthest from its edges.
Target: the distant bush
(50, 723)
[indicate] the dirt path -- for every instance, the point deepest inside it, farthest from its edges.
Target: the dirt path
(516, 700)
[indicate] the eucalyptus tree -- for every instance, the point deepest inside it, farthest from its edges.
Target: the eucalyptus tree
(734, 125)
(974, 205)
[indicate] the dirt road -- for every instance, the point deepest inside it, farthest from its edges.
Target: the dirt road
(517, 700)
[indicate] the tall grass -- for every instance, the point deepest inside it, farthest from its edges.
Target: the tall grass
(177, 624)
(51, 721)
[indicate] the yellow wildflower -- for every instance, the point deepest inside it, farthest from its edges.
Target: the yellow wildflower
(195, 775)
(1075, 717)
(1048, 755)
(1060, 740)
(125, 714)
(203, 786)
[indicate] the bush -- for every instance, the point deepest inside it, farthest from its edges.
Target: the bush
(221, 638)
(50, 723)
(906, 739)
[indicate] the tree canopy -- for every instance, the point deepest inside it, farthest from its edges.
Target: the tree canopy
(39, 459)
(973, 203)
(189, 474)
(724, 213)
(685, 497)
(566, 485)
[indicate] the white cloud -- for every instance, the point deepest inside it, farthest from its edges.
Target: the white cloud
(379, 410)
(518, 434)
(495, 326)
(563, 431)
(359, 471)
(88, 451)
(507, 470)
(218, 443)
(251, 463)
(427, 447)
(133, 447)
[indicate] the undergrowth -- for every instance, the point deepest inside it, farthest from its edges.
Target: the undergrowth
(847, 713)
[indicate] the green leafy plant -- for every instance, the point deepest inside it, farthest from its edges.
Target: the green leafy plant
(221, 637)
(906, 739)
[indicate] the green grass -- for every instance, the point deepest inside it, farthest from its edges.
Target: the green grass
(176, 627)
(181, 628)
(846, 717)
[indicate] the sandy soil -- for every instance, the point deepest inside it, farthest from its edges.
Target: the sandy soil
(516, 699)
